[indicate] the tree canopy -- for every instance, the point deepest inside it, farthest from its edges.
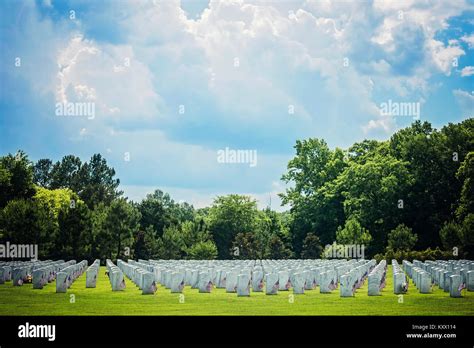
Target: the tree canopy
(408, 193)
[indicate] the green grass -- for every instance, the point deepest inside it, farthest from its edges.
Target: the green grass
(102, 301)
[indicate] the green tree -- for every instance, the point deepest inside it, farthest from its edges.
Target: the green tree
(122, 220)
(160, 211)
(270, 225)
(72, 226)
(467, 236)
(315, 204)
(172, 245)
(67, 174)
(147, 244)
(29, 222)
(402, 238)
(229, 216)
(246, 246)
(353, 233)
(94, 180)
(98, 182)
(466, 175)
(372, 192)
(42, 172)
(56, 200)
(194, 232)
(312, 247)
(203, 250)
(74, 235)
(430, 158)
(102, 245)
(451, 235)
(277, 249)
(16, 178)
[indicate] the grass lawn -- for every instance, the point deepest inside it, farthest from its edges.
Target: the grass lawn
(102, 301)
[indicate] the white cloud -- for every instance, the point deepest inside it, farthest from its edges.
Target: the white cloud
(469, 39)
(465, 101)
(444, 57)
(289, 53)
(467, 71)
(271, 42)
(87, 70)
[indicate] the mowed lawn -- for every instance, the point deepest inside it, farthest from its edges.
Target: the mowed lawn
(102, 301)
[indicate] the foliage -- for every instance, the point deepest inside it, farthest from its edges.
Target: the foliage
(315, 203)
(160, 211)
(353, 233)
(415, 189)
(147, 244)
(466, 175)
(74, 232)
(312, 248)
(29, 222)
(93, 181)
(229, 216)
(172, 245)
(450, 235)
(277, 249)
(122, 220)
(401, 238)
(16, 178)
(410, 255)
(203, 251)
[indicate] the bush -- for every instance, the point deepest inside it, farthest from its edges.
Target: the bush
(312, 248)
(353, 233)
(203, 251)
(401, 238)
(450, 235)
(410, 255)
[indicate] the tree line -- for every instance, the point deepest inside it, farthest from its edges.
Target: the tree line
(411, 196)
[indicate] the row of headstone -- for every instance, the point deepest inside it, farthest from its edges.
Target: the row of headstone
(451, 276)
(422, 280)
(115, 274)
(68, 275)
(44, 275)
(243, 276)
(400, 280)
(5, 274)
(92, 273)
(354, 278)
(140, 275)
(376, 281)
(39, 273)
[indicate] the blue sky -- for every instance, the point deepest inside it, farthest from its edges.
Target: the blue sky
(236, 69)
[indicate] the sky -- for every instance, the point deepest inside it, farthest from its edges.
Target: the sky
(174, 83)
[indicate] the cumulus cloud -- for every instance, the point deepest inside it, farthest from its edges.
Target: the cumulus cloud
(239, 58)
(445, 58)
(111, 76)
(246, 74)
(469, 39)
(467, 71)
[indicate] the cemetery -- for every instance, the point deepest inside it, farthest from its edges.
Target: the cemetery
(237, 287)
